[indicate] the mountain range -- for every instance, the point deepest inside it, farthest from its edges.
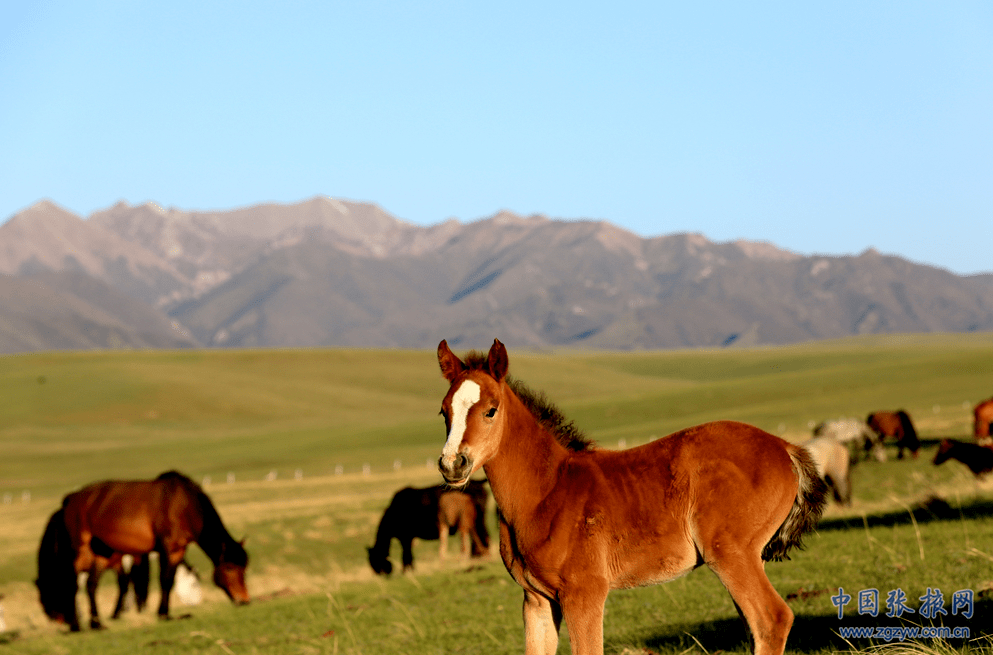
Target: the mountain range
(327, 272)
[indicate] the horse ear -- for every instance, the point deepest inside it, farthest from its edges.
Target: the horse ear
(497, 360)
(450, 364)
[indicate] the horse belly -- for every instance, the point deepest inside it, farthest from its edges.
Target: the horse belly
(132, 535)
(661, 561)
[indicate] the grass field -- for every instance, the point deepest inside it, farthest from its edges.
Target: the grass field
(69, 419)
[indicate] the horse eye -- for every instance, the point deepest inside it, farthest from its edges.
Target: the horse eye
(491, 413)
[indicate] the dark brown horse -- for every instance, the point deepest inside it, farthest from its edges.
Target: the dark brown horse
(100, 523)
(978, 458)
(432, 513)
(899, 426)
(576, 521)
(983, 415)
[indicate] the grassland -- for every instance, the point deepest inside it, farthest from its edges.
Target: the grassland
(67, 419)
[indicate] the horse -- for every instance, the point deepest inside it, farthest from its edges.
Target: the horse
(978, 458)
(983, 414)
(100, 523)
(896, 424)
(577, 521)
(855, 434)
(432, 513)
(831, 459)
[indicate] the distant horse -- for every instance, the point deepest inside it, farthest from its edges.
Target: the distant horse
(898, 425)
(978, 458)
(432, 513)
(577, 521)
(100, 523)
(831, 459)
(855, 434)
(983, 421)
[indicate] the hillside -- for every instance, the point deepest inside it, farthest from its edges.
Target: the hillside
(328, 272)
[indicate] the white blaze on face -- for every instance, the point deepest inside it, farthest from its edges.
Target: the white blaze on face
(466, 396)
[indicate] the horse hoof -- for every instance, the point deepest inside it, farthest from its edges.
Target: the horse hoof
(96, 625)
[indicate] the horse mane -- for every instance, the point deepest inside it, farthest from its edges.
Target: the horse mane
(908, 426)
(213, 533)
(566, 432)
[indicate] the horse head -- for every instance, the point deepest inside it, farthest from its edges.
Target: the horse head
(944, 452)
(471, 408)
(229, 571)
(58, 598)
(379, 562)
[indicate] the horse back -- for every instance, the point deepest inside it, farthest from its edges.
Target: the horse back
(682, 494)
(413, 512)
(131, 516)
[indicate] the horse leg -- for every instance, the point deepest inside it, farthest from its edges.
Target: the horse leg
(443, 540)
(846, 488)
(123, 582)
(542, 620)
(140, 572)
(167, 577)
(766, 614)
(464, 530)
(92, 580)
(407, 544)
(582, 609)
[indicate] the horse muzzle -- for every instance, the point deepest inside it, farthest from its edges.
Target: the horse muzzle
(457, 470)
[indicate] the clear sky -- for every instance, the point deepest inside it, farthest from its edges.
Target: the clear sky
(820, 127)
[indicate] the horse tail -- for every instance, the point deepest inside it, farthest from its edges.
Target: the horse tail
(811, 496)
(56, 571)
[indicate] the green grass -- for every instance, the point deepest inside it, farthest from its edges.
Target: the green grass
(67, 419)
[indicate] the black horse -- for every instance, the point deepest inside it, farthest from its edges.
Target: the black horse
(431, 513)
(978, 458)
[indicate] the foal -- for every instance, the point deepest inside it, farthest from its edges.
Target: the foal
(576, 522)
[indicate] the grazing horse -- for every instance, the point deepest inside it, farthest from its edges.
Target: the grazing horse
(983, 422)
(978, 458)
(898, 425)
(831, 459)
(100, 523)
(576, 521)
(855, 434)
(432, 513)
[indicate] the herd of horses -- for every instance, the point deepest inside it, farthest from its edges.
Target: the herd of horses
(575, 521)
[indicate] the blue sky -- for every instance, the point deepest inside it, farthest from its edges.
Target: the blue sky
(823, 128)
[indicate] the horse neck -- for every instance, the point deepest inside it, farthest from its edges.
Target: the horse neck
(526, 466)
(214, 538)
(384, 534)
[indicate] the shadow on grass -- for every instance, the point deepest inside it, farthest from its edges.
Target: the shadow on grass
(811, 633)
(930, 510)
